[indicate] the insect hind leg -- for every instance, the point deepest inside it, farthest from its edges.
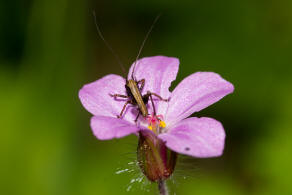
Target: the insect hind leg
(124, 107)
(149, 94)
(159, 97)
(137, 117)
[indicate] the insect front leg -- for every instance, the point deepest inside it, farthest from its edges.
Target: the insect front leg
(142, 81)
(118, 95)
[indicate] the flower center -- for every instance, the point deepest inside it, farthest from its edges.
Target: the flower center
(155, 123)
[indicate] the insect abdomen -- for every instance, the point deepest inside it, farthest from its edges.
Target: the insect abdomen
(136, 94)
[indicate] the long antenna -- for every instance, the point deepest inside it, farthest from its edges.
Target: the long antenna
(143, 43)
(108, 45)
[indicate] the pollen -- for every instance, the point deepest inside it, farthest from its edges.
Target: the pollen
(155, 123)
(162, 124)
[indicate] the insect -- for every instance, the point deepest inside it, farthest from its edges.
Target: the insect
(135, 97)
(133, 86)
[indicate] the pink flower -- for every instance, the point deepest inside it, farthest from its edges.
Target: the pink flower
(197, 137)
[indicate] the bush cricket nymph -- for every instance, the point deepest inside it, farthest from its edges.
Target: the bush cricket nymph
(133, 87)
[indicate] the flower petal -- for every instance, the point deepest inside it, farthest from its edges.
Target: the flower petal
(105, 128)
(195, 93)
(197, 137)
(96, 98)
(158, 72)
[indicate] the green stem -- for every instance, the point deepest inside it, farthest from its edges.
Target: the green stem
(162, 187)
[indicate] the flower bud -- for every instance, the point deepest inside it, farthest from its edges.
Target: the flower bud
(156, 161)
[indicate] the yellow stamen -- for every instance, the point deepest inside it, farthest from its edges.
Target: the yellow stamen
(162, 124)
(156, 125)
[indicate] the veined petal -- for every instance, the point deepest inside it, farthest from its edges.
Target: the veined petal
(195, 93)
(197, 137)
(105, 128)
(158, 72)
(95, 97)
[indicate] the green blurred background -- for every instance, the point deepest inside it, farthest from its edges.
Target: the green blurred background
(50, 48)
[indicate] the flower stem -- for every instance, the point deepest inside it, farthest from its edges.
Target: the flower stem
(162, 187)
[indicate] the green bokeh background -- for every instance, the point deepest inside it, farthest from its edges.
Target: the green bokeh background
(50, 48)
